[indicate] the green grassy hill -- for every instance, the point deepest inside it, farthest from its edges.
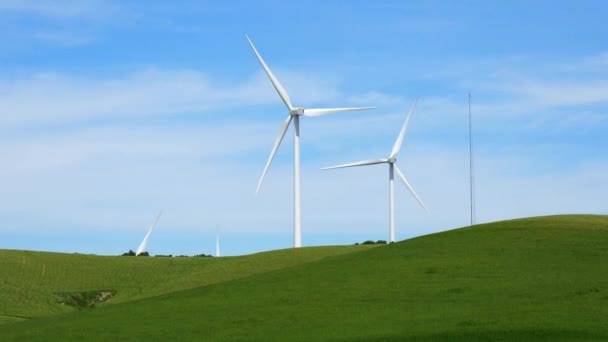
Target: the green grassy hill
(30, 281)
(538, 278)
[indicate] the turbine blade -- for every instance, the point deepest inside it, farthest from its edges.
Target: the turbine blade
(144, 243)
(324, 111)
(277, 85)
(275, 147)
(359, 163)
(409, 187)
(399, 141)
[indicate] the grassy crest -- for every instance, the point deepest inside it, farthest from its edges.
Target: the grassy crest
(541, 278)
(34, 283)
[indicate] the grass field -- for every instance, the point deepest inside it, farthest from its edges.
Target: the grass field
(30, 281)
(540, 278)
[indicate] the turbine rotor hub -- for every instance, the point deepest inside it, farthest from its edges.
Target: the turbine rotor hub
(296, 111)
(392, 160)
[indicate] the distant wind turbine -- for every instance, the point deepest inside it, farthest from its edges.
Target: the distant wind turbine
(217, 241)
(294, 115)
(144, 243)
(392, 158)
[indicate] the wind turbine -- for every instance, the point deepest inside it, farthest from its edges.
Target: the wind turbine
(294, 115)
(392, 158)
(144, 243)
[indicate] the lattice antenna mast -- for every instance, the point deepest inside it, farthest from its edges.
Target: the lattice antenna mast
(471, 165)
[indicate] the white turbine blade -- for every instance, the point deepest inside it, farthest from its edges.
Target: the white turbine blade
(399, 141)
(359, 163)
(324, 111)
(409, 187)
(277, 85)
(275, 147)
(144, 243)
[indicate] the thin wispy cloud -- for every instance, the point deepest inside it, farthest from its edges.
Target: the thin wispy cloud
(52, 98)
(62, 23)
(59, 8)
(560, 93)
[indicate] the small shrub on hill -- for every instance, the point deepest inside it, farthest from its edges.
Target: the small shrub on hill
(371, 242)
(203, 255)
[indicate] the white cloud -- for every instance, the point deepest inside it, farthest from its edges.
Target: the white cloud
(62, 23)
(523, 93)
(110, 177)
(587, 65)
(58, 8)
(527, 188)
(55, 98)
(548, 84)
(377, 99)
(561, 92)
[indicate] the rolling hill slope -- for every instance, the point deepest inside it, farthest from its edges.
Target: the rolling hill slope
(30, 281)
(538, 278)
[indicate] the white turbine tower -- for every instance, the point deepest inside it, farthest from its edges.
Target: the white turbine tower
(217, 241)
(144, 243)
(392, 158)
(294, 115)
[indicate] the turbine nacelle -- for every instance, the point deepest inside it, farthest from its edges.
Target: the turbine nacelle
(296, 111)
(392, 160)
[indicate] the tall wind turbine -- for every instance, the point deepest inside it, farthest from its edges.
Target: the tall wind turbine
(294, 115)
(392, 158)
(144, 243)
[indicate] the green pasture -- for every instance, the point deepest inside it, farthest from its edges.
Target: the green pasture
(543, 278)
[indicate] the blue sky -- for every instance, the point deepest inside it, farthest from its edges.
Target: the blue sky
(114, 110)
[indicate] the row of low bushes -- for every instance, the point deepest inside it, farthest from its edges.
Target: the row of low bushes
(131, 253)
(372, 242)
